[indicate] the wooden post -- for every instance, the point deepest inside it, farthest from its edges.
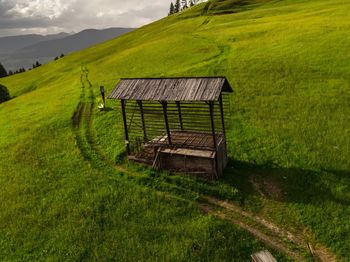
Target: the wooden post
(142, 121)
(222, 116)
(165, 105)
(180, 115)
(102, 91)
(125, 127)
(211, 109)
(223, 125)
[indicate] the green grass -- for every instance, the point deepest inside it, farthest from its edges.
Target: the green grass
(289, 64)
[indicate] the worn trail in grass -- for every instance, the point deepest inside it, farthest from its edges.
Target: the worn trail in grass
(288, 62)
(270, 234)
(86, 141)
(294, 245)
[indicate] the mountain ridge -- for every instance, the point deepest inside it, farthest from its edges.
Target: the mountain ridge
(9, 44)
(52, 46)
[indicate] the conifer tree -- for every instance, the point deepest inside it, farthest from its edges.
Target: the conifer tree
(172, 9)
(3, 72)
(177, 6)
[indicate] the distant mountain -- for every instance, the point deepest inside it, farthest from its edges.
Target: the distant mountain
(10, 44)
(47, 50)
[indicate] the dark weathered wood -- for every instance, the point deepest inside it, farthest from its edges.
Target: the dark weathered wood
(212, 122)
(186, 139)
(171, 89)
(178, 105)
(223, 120)
(125, 127)
(171, 113)
(142, 120)
(211, 109)
(263, 256)
(182, 154)
(165, 104)
(222, 115)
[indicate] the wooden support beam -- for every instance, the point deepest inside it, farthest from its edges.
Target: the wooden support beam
(222, 116)
(211, 109)
(223, 121)
(125, 127)
(142, 121)
(165, 106)
(180, 114)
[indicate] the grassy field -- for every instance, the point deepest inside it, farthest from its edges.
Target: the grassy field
(289, 63)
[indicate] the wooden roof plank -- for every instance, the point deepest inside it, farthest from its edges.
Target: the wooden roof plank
(171, 89)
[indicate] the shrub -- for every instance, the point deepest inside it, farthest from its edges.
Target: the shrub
(4, 94)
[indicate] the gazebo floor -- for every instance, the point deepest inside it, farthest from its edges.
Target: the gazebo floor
(184, 143)
(187, 139)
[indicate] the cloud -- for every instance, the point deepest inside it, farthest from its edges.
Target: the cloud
(37, 8)
(19, 16)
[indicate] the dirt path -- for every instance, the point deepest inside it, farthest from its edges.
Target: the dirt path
(272, 242)
(292, 245)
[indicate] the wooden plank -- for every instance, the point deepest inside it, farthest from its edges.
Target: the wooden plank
(125, 127)
(170, 89)
(142, 120)
(263, 256)
(164, 104)
(211, 109)
(180, 115)
(222, 115)
(189, 152)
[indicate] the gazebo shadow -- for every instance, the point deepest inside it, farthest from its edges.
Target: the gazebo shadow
(285, 184)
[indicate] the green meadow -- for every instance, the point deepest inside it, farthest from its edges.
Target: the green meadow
(288, 61)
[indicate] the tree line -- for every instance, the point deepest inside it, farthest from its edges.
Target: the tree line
(181, 5)
(4, 73)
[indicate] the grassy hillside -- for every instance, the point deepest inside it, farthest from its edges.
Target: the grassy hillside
(289, 63)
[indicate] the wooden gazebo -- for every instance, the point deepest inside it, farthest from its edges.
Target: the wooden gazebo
(176, 124)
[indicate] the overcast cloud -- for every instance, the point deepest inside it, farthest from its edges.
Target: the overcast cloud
(53, 16)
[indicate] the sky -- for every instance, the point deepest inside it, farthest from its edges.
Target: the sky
(54, 16)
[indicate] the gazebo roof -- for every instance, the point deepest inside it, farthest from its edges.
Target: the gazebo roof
(171, 89)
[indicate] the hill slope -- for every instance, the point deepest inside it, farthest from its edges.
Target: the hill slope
(289, 64)
(9, 44)
(50, 47)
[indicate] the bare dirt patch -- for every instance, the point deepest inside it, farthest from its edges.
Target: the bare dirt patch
(293, 245)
